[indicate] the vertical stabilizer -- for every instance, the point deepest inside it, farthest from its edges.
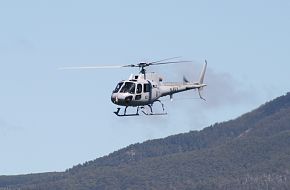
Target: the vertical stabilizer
(202, 73)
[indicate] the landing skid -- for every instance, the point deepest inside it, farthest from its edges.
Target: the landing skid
(137, 111)
(154, 113)
(124, 115)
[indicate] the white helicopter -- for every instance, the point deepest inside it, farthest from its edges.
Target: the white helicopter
(144, 89)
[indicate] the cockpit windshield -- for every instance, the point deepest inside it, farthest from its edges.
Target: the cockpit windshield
(128, 87)
(118, 87)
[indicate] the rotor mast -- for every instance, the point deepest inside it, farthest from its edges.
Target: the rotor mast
(142, 66)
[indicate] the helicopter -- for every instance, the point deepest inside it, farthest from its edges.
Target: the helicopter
(144, 89)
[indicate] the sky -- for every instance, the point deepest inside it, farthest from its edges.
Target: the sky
(51, 120)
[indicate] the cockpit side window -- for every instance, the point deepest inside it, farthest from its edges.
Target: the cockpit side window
(146, 88)
(119, 85)
(139, 88)
(128, 87)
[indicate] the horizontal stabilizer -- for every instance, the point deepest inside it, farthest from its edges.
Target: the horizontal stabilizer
(185, 80)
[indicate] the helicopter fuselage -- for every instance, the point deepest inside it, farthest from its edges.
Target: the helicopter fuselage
(141, 90)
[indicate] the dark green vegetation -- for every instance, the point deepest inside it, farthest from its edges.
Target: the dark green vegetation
(250, 152)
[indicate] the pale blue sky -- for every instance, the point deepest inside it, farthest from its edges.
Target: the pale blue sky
(51, 120)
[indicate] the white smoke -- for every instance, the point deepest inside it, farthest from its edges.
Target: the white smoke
(222, 88)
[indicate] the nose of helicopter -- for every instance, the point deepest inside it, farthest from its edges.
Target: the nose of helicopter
(121, 98)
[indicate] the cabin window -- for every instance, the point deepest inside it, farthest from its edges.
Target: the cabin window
(139, 88)
(119, 85)
(128, 87)
(138, 97)
(146, 88)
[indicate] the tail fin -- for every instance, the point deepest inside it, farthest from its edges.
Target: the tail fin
(202, 73)
(201, 78)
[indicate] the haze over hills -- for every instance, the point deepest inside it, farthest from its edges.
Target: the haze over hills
(250, 152)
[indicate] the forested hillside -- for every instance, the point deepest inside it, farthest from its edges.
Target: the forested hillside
(250, 152)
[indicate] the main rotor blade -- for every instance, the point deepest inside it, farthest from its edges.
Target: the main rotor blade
(160, 62)
(132, 65)
(92, 67)
(170, 62)
(164, 60)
